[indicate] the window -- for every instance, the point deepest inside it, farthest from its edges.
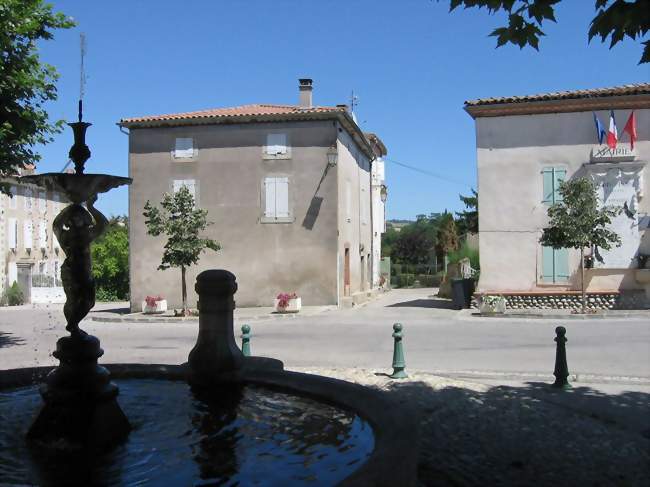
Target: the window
(184, 148)
(12, 233)
(42, 201)
(555, 265)
(13, 201)
(276, 199)
(276, 145)
(42, 234)
(29, 197)
(28, 229)
(189, 184)
(552, 177)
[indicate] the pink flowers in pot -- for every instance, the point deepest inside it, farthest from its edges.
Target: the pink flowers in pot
(283, 299)
(152, 300)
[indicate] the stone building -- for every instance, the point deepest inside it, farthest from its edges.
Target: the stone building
(526, 145)
(31, 253)
(288, 188)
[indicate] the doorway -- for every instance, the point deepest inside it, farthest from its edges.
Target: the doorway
(346, 272)
(24, 279)
(363, 273)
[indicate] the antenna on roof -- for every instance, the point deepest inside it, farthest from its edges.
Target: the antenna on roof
(82, 74)
(354, 101)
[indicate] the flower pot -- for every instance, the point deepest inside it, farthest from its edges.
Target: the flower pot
(496, 307)
(159, 307)
(293, 306)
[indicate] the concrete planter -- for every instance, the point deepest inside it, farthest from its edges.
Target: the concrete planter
(159, 307)
(293, 306)
(495, 307)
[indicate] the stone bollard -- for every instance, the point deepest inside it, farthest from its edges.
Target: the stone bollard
(398, 354)
(561, 371)
(215, 351)
(246, 340)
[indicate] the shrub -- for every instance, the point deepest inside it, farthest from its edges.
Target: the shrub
(13, 296)
(465, 251)
(428, 280)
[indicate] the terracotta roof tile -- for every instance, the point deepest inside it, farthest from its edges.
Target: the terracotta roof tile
(240, 111)
(632, 89)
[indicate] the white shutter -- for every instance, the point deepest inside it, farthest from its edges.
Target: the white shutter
(28, 199)
(28, 229)
(269, 191)
(276, 144)
(12, 275)
(281, 197)
(11, 234)
(42, 234)
(57, 199)
(55, 241)
(184, 147)
(13, 201)
(42, 201)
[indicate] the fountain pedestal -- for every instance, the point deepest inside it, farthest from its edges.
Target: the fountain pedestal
(81, 406)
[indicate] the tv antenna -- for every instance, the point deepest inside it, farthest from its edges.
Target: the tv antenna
(354, 101)
(82, 74)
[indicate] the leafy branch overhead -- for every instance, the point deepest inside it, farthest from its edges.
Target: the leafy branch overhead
(615, 19)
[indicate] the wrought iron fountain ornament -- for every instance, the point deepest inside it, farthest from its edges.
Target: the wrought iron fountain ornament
(80, 401)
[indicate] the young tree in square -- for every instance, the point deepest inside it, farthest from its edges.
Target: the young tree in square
(179, 220)
(577, 222)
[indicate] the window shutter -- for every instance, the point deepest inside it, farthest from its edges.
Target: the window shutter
(561, 265)
(281, 197)
(13, 202)
(547, 176)
(13, 273)
(28, 199)
(184, 147)
(548, 264)
(559, 175)
(27, 234)
(42, 234)
(55, 241)
(11, 234)
(269, 191)
(42, 201)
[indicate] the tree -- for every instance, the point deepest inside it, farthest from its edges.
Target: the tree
(577, 222)
(181, 222)
(448, 240)
(614, 18)
(468, 219)
(110, 254)
(26, 84)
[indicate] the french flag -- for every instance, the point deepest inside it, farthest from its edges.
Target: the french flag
(612, 133)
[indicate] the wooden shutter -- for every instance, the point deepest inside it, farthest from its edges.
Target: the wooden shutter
(28, 199)
(28, 229)
(269, 197)
(561, 265)
(13, 201)
(42, 234)
(42, 201)
(559, 175)
(55, 241)
(281, 197)
(11, 234)
(548, 264)
(547, 179)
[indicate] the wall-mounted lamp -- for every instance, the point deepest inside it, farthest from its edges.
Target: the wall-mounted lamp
(383, 193)
(332, 156)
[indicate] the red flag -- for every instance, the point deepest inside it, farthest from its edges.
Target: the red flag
(630, 128)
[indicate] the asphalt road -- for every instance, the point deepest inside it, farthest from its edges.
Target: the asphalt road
(436, 340)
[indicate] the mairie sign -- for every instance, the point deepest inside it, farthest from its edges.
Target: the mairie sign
(604, 153)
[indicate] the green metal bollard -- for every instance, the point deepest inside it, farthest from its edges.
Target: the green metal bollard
(561, 371)
(246, 340)
(398, 354)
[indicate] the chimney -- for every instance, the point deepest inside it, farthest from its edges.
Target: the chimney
(305, 89)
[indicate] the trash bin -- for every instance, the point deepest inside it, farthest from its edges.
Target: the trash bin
(462, 291)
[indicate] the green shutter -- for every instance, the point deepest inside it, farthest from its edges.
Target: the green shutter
(561, 265)
(559, 175)
(547, 177)
(548, 264)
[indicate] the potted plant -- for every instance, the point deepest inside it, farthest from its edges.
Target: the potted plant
(492, 304)
(154, 305)
(287, 303)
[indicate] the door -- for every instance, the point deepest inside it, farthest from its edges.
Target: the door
(346, 273)
(363, 273)
(24, 280)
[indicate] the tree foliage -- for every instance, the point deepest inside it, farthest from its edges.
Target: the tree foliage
(26, 84)
(468, 219)
(448, 239)
(615, 19)
(181, 222)
(110, 254)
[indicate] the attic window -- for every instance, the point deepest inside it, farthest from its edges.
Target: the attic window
(276, 144)
(184, 148)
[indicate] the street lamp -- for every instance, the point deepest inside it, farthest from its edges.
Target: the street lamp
(332, 156)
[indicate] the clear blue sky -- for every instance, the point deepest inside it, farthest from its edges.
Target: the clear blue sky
(411, 63)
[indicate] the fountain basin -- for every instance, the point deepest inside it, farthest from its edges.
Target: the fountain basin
(78, 188)
(377, 444)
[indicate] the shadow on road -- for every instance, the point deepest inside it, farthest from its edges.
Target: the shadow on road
(437, 303)
(121, 310)
(9, 340)
(533, 435)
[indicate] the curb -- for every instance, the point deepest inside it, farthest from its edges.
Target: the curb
(191, 319)
(558, 316)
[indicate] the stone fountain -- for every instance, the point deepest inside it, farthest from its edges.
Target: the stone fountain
(80, 406)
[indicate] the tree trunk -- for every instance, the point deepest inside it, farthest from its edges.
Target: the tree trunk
(184, 291)
(582, 279)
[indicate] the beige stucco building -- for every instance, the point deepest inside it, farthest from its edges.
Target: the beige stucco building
(525, 147)
(31, 255)
(288, 188)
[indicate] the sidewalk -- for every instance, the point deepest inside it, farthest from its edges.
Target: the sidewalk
(120, 313)
(562, 314)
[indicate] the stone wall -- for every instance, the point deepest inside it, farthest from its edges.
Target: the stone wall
(573, 300)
